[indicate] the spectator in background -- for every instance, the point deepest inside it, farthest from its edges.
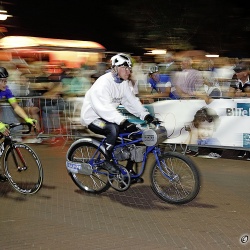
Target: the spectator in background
(154, 78)
(189, 82)
(211, 84)
(241, 87)
(52, 104)
(166, 71)
(101, 68)
(138, 74)
(161, 83)
(133, 84)
(75, 83)
(169, 65)
(29, 105)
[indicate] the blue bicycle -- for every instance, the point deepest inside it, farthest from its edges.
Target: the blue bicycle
(174, 177)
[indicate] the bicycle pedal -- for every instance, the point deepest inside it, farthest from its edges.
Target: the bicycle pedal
(121, 181)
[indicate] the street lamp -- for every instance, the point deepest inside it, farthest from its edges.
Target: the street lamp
(3, 14)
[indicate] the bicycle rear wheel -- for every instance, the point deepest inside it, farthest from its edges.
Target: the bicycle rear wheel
(184, 182)
(95, 182)
(23, 168)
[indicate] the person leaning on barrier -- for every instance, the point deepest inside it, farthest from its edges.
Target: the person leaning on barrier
(240, 87)
(5, 93)
(99, 111)
(188, 83)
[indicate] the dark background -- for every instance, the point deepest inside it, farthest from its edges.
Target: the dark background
(214, 26)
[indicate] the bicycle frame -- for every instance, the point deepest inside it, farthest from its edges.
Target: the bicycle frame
(125, 141)
(13, 150)
(174, 177)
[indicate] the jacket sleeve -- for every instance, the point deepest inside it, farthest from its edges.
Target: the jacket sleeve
(133, 104)
(103, 104)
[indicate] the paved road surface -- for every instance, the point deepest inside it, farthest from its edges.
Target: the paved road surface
(60, 216)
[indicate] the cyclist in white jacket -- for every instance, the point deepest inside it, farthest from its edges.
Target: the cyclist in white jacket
(99, 111)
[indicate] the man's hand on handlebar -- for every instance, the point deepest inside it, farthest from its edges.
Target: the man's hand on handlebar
(128, 127)
(4, 129)
(31, 121)
(150, 119)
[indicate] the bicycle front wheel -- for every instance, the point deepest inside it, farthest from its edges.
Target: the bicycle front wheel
(177, 180)
(23, 168)
(96, 182)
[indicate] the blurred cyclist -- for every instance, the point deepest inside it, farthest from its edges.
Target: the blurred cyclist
(5, 93)
(99, 110)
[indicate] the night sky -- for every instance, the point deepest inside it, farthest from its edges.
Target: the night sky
(73, 19)
(94, 20)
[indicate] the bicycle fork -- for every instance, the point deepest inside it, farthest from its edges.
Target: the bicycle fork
(17, 150)
(162, 165)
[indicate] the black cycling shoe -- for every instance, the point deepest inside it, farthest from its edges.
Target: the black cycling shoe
(3, 178)
(110, 167)
(135, 180)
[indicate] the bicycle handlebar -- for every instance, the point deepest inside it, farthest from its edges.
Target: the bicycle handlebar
(156, 122)
(13, 125)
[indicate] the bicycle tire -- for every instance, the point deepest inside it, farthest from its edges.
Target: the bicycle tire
(184, 186)
(28, 180)
(94, 183)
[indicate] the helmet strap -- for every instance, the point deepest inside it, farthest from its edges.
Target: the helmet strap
(115, 75)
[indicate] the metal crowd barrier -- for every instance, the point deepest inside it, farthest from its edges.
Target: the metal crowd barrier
(56, 117)
(60, 118)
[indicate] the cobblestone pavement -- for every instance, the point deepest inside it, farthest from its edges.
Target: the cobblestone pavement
(60, 216)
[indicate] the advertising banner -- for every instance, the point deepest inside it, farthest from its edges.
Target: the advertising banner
(223, 122)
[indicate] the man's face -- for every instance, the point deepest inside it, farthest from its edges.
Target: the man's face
(3, 83)
(241, 75)
(124, 72)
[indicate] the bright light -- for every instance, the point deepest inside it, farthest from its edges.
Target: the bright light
(157, 52)
(3, 14)
(212, 55)
(10, 42)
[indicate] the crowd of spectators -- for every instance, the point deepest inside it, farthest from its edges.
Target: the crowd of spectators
(44, 88)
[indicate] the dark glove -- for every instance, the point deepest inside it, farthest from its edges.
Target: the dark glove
(149, 118)
(128, 127)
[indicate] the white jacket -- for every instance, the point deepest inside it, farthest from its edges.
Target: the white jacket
(102, 99)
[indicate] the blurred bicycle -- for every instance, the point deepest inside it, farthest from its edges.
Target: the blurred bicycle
(22, 167)
(174, 177)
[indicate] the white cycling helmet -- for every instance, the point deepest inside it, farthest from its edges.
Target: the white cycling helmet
(153, 69)
(120, 60)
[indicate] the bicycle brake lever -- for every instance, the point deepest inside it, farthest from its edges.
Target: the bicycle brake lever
(29, 126)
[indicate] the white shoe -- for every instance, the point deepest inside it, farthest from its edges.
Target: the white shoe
(17, 139)
(33, 140)
(242, 154)
(210, 156)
